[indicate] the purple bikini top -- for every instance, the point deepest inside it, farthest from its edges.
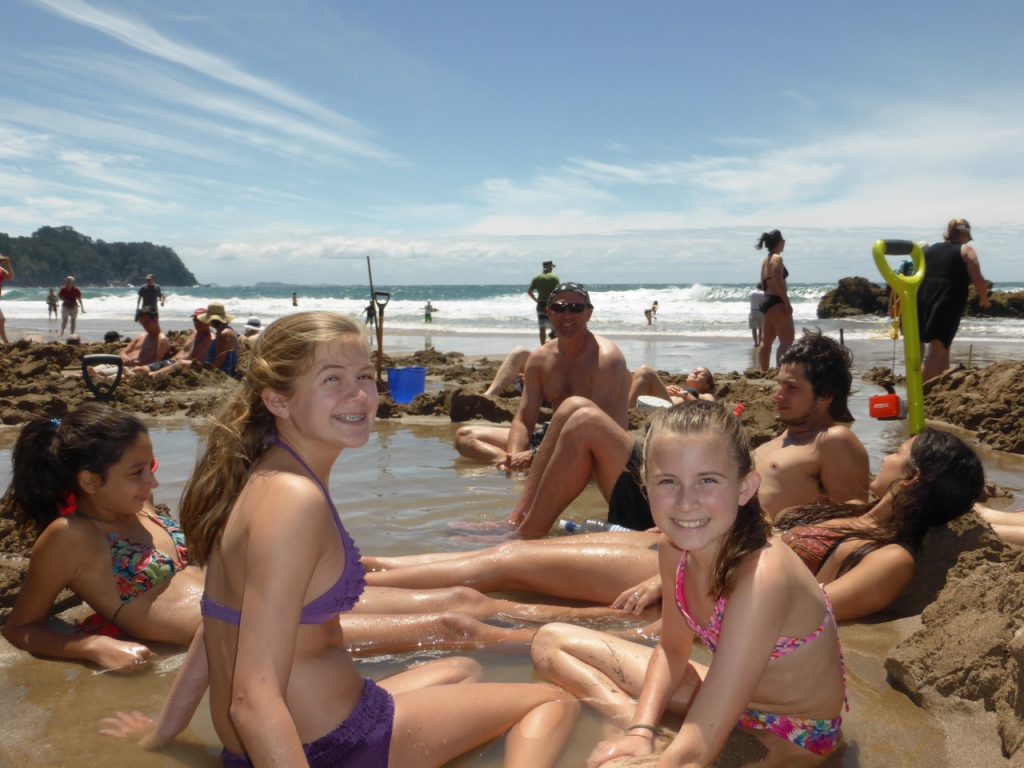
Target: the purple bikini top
(339, 598)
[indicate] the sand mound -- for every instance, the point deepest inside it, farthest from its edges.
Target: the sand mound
(971, 644)
(988, 401)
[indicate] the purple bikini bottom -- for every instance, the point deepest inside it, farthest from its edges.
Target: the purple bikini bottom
(362, 741)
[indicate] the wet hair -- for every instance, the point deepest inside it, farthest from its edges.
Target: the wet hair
(955, 228)
(49, 454)
(947, 478)
(237, 436)
(769, 240)
(751, 530)
(827, 367)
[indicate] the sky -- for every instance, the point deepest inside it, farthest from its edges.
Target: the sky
(466, 141)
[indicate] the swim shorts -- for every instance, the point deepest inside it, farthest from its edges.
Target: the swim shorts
(542, 316)
(538, 436)
(756, 319)
(159, 364)
(628, 504)
(362, 741)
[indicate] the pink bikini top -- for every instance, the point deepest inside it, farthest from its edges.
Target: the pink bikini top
(709, 635)
(339, 598)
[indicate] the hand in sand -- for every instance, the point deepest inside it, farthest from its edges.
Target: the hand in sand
(124, 725)
(643, 595)
(636, 744)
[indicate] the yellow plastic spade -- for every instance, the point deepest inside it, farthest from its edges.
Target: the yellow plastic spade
(905, 286)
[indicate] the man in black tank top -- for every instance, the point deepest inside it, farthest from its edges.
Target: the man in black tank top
(949, 267)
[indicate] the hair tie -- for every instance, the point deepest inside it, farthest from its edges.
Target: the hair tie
(69, 506)
(55, 423)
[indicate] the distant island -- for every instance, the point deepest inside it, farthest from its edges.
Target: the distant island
(52, 253)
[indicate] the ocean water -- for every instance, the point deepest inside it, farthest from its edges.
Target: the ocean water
(686, 311)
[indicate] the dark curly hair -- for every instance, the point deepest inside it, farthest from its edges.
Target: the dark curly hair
(827, 367)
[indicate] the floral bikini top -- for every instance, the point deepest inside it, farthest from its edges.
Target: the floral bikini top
(709, 635)
(139, 567)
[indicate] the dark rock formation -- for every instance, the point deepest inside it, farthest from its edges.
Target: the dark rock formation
(854, 296)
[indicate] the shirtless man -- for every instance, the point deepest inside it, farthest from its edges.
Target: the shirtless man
(149, 346)
(814, 458)
(575, 363)
(196, 348)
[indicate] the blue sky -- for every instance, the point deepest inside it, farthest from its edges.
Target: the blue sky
(468, 141)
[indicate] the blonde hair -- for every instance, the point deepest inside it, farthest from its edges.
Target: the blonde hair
(238, 435)
(751, 530)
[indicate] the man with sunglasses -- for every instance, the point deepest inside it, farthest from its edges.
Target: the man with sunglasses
(575, 363)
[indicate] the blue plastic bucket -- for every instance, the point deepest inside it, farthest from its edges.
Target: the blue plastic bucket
(405, 383)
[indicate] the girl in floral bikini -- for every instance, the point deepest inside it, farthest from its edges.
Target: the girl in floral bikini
(777, 670)
(86, 482)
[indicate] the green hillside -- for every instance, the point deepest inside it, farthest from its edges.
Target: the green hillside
(53, 252)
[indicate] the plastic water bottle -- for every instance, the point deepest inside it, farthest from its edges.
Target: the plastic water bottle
(590, 526)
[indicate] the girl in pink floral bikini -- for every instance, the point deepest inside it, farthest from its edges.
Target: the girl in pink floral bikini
(777, 670)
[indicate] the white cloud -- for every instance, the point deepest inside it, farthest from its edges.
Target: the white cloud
(144, 38)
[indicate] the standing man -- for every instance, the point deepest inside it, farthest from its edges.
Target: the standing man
(150, 295)
(540, 290)
(756, 317)
(942, 297)
(71, 302)
(576, 363)
(6, 273)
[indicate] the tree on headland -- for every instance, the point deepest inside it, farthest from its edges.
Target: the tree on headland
(51, 253)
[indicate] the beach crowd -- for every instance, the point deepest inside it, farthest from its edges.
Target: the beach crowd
(754, 554)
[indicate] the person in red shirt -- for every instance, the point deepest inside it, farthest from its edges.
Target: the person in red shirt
(6, 273)
(71, 302)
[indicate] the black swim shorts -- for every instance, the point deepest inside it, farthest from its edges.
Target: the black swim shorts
(628, 504)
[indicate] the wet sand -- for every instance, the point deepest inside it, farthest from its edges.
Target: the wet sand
(397, 496)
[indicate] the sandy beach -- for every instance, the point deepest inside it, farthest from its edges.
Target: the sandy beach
(398, 495)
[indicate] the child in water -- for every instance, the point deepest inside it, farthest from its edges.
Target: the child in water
(777, 668)
(281, 567)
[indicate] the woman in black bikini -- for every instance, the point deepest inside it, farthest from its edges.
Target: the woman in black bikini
(778, 312)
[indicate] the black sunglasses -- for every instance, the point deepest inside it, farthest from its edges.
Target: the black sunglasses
(561, 306)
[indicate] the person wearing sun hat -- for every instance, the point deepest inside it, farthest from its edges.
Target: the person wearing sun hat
(223, 353)
(251, 330)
